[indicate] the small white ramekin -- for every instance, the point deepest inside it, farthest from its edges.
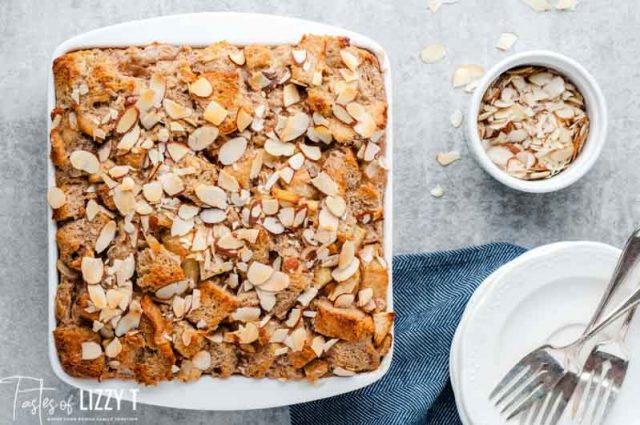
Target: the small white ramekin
(596, 110)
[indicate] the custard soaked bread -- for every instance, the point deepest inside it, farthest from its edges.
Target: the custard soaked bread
(220, 211)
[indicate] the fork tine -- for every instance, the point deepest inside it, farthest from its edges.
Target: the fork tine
(612, 396)
(535, 410)
(578, 395)
(526, 398)
(513, 373)
(551, 405)
(560, 408)
(527, 379)
(592, 386)
(601, 389)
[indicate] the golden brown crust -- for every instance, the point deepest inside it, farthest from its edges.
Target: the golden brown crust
(68, 340)
(216, 305)
(349, 324)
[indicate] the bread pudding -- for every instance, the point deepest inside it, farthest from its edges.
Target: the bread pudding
(220, 211)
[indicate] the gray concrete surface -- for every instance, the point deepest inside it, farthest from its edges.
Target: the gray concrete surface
(604, 206)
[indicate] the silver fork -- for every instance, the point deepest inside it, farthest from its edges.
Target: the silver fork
(542, 382)
(602, 377)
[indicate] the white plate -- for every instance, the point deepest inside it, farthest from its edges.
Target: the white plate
(202, 29)
(540, 297)
(455, 367)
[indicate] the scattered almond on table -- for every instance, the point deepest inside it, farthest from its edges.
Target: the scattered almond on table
(533, 122)
(506, 41)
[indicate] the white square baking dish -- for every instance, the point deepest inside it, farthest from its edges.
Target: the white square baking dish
(202, 29)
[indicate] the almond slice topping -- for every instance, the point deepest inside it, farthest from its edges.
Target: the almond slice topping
(202, 137)
(433, 53)
(92, 269)
(56, 197)
(171, 183)
(215, 113)
(237, 57)
(336, 205)
(107, 234)
(97, 296)
(152, 191)
(347, 254)
(278, 148)
(232, 150)
(350, 59)
(228, 182)
(201, 87)
(202, 360)
(325, 184)
(213, 215)
(175, 110)
(295, 127)
(212, 196)
(290, 95)
(113, 348)
(127, 120)
(85, 161)
(342, 274)
(91, 350)
(177, 151)
(243, 119)
(277, 282)
(299, 55)
(247, 334)
(311, 152)
(159, 86)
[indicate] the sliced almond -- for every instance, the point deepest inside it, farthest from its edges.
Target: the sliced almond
(91, 350)
(456, 118)
(539, 5)
(344, 301)
(347, 254)
(84, 161)
(290, 95)
(325, 184)
(171, 183)
(506, 41)
(237, 57)
(336, 205)
(106, 236)
(232, 150)
(259, 273)
(371, 151)
(278, 148)
(212, 196)
(56, 197)
(246, 314)
(213, 215)
(340, 371)
(97, 296)
(342, 274)
(128, 322)
(129, 139)
(243, 119)
(202, 137)
(277, 282)
(273, 225)
(466, 74)
(201, 87)
(92, 269)
(127, 120)
(247, 334)
(296, 161)
(299, 55)
(270, 206)
(295, 126)
(180, 227)
(175, 110)
(499, 155)
(433, 53)
(350, 59)
(152, 191)
(145, 100)
(202, 360)
(446, 158)
(215, 113)
(228, 182)
(230, 242)
(311, 152)
(114, 348)
(341, 113)
(158, 84)
(437, 192)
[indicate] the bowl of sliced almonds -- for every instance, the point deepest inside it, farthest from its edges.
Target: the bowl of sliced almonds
(537, 122)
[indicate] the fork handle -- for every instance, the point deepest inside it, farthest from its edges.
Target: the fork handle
(630, 303)
(629, 259)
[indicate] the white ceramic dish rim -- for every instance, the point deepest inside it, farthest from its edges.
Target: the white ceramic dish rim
(596, 108)
(201, 29)
(490, 284)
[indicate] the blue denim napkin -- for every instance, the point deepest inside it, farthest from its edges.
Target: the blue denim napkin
(430, 292)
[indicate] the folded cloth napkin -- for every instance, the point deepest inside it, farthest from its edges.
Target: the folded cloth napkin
(430, 292)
